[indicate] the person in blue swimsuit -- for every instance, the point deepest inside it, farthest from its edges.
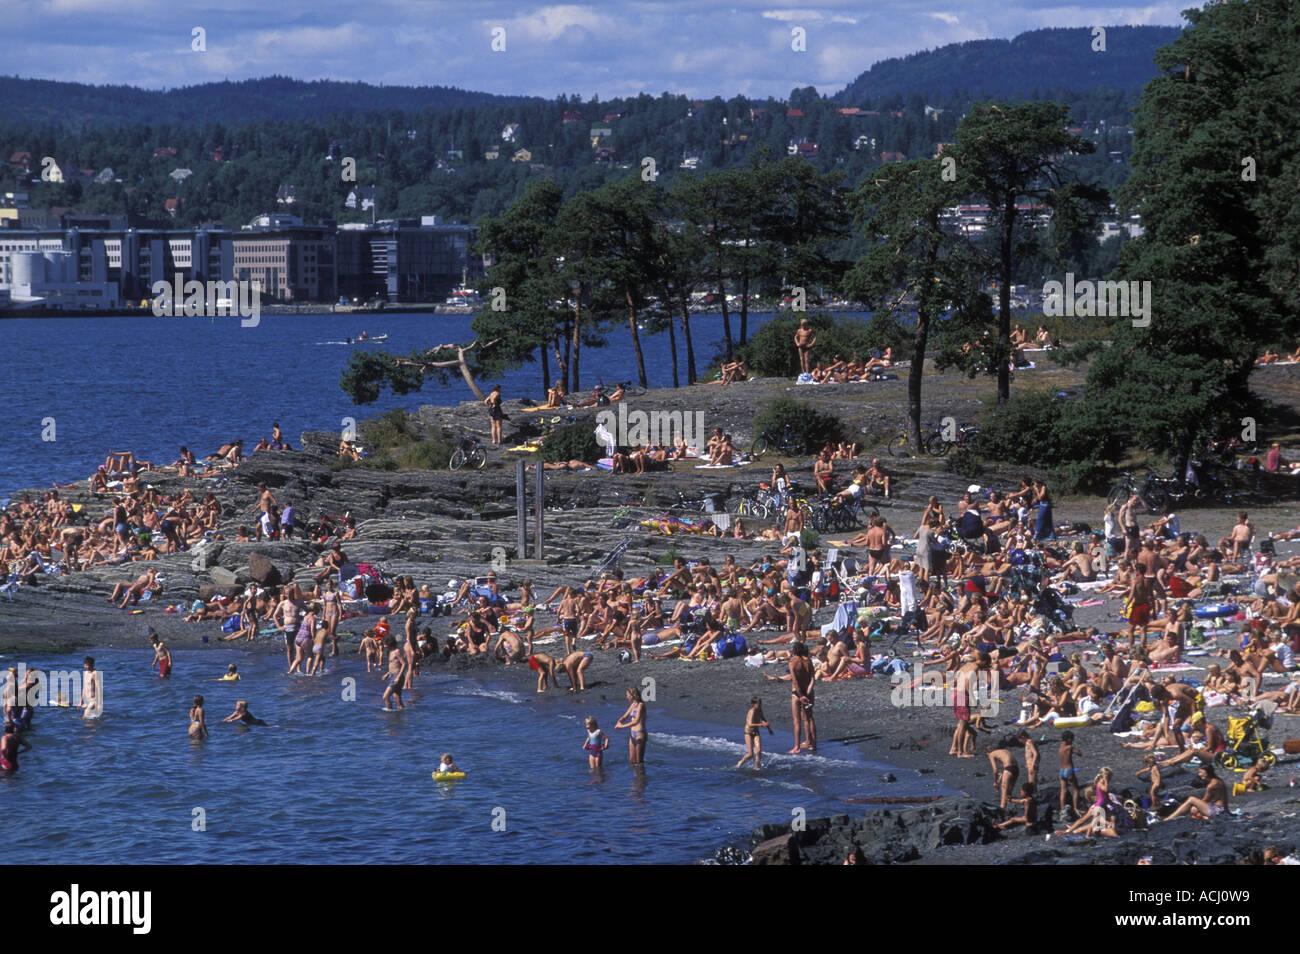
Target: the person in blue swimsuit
(596, 744)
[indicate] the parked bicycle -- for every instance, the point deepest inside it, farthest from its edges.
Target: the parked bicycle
(469, 452)
(937, 444)
(787, 441)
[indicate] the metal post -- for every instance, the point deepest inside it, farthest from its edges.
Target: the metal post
(521, 510)
(539, 507)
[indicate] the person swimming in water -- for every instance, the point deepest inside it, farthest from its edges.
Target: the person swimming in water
(198, 725)
(448, 765)
(596, 744)
(10, 746)
(241, 714)
(232, 674)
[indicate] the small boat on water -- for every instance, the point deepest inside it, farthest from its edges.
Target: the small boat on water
(365, 338)
(463, 294)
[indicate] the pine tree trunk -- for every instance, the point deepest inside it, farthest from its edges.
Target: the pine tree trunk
(744, 308)
(672, 344)
(726, 315)
(1004, 302)
(690, 347)
(636, 338)
(575, 343)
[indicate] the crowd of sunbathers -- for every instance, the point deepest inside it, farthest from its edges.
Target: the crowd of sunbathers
(1273, 357)
(53, 536)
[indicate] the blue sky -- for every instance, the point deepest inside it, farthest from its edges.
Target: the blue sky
(610, 48)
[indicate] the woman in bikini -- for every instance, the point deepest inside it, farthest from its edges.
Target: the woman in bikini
(331, 612)
(634, 719)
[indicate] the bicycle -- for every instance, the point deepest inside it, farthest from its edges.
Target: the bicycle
(469, 452)
(787, 440)
(937, 445)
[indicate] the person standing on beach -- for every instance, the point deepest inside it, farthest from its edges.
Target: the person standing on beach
(162, 657)
(634, 719)
(801, 699)
(963, 737)
(1069, 774)
(495, 414)
(1005, 772)
(804, 340)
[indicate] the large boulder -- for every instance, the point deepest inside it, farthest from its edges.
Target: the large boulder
(263, 571)
(209, 591)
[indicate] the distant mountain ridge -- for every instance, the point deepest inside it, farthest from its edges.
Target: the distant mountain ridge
(1033, 62)
(272, 97)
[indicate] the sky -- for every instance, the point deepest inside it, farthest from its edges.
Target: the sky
(609, 48)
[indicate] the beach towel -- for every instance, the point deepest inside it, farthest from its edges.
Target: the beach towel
(739, 463)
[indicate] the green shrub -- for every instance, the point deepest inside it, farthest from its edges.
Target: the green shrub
(1038, 429)
(816, 427)
(573, 442)
(433, 453)
(963, 462)
(394, 442)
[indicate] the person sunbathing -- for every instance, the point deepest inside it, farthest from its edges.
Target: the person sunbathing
(1269, 357)
(555, 395)
(886, 360)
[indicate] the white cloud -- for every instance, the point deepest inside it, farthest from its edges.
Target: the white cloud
(790, 16)
(949, 18)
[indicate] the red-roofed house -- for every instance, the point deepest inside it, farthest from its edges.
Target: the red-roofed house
(892, 157)
(165, 151)
(794, 112)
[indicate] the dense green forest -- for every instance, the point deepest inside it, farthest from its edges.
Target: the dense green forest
(224, 150)
(1040, 64)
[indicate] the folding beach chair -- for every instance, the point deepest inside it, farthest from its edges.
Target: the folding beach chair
(615, 557)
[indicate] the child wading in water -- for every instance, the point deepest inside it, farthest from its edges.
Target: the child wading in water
(198, 726)
(754, 720)
(596, 744)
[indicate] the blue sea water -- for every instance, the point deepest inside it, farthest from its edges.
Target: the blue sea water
(149, 384)
(338, 781)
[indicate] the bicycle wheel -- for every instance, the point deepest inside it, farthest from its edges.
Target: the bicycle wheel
(457, 460)
(477, 458)
(737, 506)
(1118, 494)
(899, 446)
(760, 447)
(936, 446)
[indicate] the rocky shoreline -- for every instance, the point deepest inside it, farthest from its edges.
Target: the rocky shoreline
(425, 524)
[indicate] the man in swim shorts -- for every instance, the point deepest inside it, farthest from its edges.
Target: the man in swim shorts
(162, 657)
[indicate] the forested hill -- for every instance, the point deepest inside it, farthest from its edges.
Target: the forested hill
(1032, 65)
(75, 105)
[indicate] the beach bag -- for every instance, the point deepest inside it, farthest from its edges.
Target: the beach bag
(231, 625)
(726, 648)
